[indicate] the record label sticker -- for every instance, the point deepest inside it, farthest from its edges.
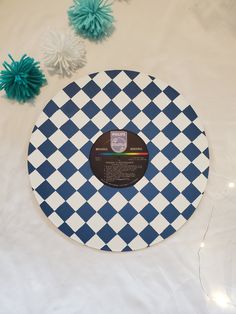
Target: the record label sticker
(119, 158)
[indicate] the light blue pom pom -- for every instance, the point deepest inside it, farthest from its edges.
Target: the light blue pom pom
(21, 79)
(91, 18)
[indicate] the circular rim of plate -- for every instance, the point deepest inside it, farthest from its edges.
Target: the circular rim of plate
(154, 109)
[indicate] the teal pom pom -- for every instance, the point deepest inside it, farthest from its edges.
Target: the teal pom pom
(21, 79)
(91, 18)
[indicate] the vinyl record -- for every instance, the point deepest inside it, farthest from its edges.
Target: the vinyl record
(118, 160)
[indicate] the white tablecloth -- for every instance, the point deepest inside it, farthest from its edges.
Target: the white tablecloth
(190, 44)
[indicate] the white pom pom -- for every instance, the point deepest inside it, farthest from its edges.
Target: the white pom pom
(64, 53)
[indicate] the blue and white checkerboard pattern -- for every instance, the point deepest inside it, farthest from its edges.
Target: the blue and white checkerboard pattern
(100, 216)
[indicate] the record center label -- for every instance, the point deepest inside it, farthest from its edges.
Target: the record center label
(119, 158)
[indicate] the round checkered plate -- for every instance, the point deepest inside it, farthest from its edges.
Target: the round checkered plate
(105, 217)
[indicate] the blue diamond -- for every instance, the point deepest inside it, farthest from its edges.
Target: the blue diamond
(45, 189)
(111, 90)
(149, 191)
(150, 130)
(188, 211)
(46, 208)
(65, 211)
(171, 92)
(68, 149)
(190, 113)
(90, 129)
(132, 90)
(85, 170)
(90, 109)
(127, 234)
(170, 213)
(87, 190)
(152, 90)
(191, 172)
(65, 190)
(153, 150)
(170, 171)
(107, 192)
(148, 234)
(106, 233)
(151, 111)
(170, 151)
(69, 128)
(67, 169)
(167, 232)
(45, 169)
(86, 212)
(171, 131)
(149, 213)
(107, 212)
(191, 152)
(51, 108)
(131, 110)
(72, 89)
(66, 229)
(47, 148)
(111, 110)
(192, 131)
(191, 193)
(170, 192)
(172, 111)
(128, 212)
(69, 108)
(85, 233)
(91, 89)
(48, 128)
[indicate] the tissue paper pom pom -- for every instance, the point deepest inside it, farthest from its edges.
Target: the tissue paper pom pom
(21, 79)
(91, 18)
(63, 53)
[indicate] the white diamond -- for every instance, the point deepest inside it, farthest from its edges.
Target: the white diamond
(57, 159)
(81, 82)
(162, 101)
(181, 141)
(181, 121)
(141, 100)
(160, 161)
(159, 202)
(117, 223)
(78, 159)
(95, 242)
(141, 183)
(137, 243)
(180, 203)
(55, 219)
(101, 79)
(79, 139)
(55, 200)
(36, 158)
(80, 99)
(76, 200)
(80, 119)
(160, 140)
(162, 85)
(201, 142)
(122, 80)
(101, 99)
(120, 120)
(201, 162)
(36, 179)
(117, 244)
(161, 121)
(138, 223)
(142, 80)
(56, 179)
(42, 118)
(179, 221)
(96, 222)
(100, 119)
(95, 182)
(200, 183)
(77, 180)
(160, 181)
(58, 138)
(159, 224)
(141, 120)
(37, 138)
(58, 118)
(180, 182)
(61, 98)
(181, 102)
(96, 201)
(180, 161)
(75, 222)
(118, 201)
(139, 201)
(121, 100)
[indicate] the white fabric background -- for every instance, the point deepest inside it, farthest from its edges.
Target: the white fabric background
(190, 44)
